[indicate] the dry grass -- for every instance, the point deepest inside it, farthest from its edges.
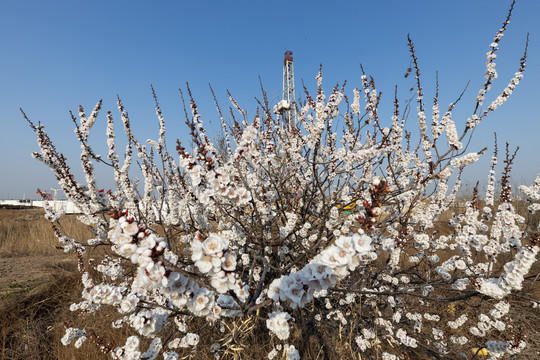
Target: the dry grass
(27, 232)
(37, 284)
(34, 306)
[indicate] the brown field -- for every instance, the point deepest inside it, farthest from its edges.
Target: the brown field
(38, 282)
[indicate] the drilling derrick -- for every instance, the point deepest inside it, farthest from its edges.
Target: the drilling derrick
(287, 106)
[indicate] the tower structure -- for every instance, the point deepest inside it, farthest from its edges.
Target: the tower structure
(287, 106)
(288, 87)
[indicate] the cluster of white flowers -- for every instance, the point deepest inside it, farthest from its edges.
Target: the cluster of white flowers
(465, 160)
(212, 257)
(388, 356)
(325, 270)
(490, 187)
(292, 353)
(516, 270)
(461, 340)
(532, 194)
(366, 339)
(506, 92)
(247, 142)
(500, 309)
(356, 102)
(148, 322)
(111, 268)
(473, 121)
(130, 351)
(406, 339)
(456, 324)
(284, 231)
(278, 324)
(289, 351)
(452, 136)
(137, 243)
(461, 284)
(188, 340)
(72, 334)
(513, 276)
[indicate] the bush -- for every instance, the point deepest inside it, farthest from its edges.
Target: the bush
(223, 246)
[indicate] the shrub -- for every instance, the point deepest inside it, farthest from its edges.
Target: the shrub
(220, 242)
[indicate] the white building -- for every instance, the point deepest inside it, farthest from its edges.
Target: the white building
(66, 206)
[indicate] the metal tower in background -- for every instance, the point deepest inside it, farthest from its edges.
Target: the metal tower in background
(288, 87)
(287, 106)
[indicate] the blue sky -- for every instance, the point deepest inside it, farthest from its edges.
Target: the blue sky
(56, 55)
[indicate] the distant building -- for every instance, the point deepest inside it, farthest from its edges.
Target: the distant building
(65, 206)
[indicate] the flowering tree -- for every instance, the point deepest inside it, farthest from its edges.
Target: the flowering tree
(256, 235)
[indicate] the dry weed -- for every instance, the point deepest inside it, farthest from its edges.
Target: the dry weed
(27, 232)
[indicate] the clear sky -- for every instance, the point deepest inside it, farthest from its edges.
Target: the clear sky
(56, 55)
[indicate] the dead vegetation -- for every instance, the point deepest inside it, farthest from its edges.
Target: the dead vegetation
(25, 232)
